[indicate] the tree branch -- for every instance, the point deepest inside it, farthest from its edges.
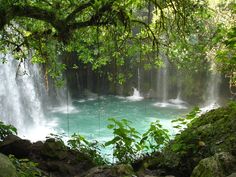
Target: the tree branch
(80, 8)
(149, 29)
(64, 26)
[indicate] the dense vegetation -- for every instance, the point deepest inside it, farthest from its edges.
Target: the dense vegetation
(120, 34)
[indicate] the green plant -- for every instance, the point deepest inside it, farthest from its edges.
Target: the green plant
(26, 168)
(155, 137)
(183, 122)
(6, 130)
(91, 149)
(125, 145)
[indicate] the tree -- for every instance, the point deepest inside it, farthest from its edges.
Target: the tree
(115, 33)
(50, 27)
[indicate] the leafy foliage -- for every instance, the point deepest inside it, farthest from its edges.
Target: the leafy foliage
(6, 130)
(107, 32)
(126, 147)
(92, 149)
(129, 145)
(26, 168)
(227, 57)
(155, 138)
(184, 122)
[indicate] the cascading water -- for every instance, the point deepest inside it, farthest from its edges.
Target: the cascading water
(162, 81)
(178, 100)
(20, 104)
(64, 101)
(136, 96)
(139, 79)
(162, 84)
(136, 92)
(162, 89)
(212, 90)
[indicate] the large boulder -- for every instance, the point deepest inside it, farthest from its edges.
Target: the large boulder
(52, 156)
(16, 146)
(7, 169)
(110, 171)
(54, 149)
(58, 160)
(220, 165)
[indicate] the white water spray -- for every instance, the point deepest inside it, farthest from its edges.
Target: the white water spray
(21, 92)
(136, 96)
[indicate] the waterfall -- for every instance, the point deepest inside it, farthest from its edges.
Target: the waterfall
(162, 89)
(139, 80)
(64, 102)
(21, 94)
(212, 91)
(162, 81)
(178, 100)
(136, 96)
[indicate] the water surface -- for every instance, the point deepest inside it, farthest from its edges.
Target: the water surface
(89, 117)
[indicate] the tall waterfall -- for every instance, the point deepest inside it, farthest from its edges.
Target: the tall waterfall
(212, 91)
(162, 81)
(21, 94)
(139, 78)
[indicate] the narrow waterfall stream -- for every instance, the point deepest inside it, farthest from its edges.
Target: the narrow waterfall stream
(162, 81)
(139, 80)
(211, 96)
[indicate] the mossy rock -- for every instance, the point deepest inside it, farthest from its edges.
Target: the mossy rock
(220, 165)
(211, 133)
(215, 129)
(122, 170)
(54, 149)
(7, 169)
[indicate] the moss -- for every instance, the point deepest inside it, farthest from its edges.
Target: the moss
(219, 165)
(211, 133)
(54, 149)
(7, 169)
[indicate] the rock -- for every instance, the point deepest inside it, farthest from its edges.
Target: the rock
(52, 156)
(218, 165)
(7, 169)
(54, 149)
(16, 146)
(55, 158)
(211, 133)
(110, 171)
